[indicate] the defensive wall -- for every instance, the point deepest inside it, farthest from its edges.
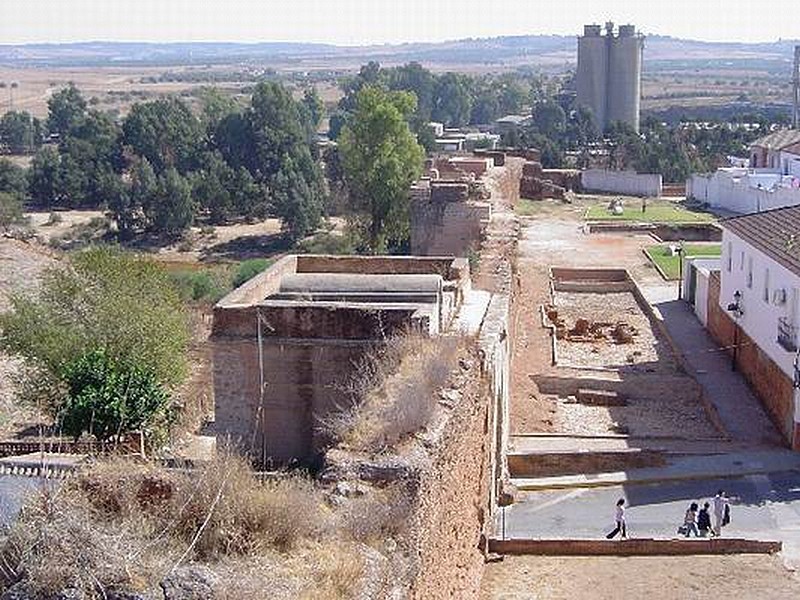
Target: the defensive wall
(628, 183)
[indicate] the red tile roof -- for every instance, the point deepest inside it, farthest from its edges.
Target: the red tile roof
(775, 232)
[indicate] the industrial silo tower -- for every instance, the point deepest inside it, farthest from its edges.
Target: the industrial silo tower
(610, 74)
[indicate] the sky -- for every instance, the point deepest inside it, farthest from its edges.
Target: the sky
(357, 22)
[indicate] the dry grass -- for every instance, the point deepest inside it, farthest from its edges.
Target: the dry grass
(125, 525)
(395, 392)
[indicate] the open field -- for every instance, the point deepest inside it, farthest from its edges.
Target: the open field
(659, 211)
(670, 264)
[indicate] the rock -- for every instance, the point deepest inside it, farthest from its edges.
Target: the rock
(19, 591)
(582, 327)
(192, 582)
(70, 594)
(127, 595)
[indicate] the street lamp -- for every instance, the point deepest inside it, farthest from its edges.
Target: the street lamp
(680, 271)
(735, 308)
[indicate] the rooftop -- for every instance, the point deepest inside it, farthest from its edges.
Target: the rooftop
(779, 140)
(776, 233)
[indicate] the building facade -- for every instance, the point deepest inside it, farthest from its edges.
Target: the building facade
(757, 309)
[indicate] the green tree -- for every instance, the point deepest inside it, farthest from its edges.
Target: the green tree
(172, 210)
(19, 132)
(381, 158)
(166, 133)
(107, 398)
(212, 188)
(66, 108)
(452, 103)
(314, 107)
(13, 178)
(549, 119)
(45, 178)
(119, 305)
(11, 211)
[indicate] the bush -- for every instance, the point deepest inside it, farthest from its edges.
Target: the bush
(106, 397)
(248, 269)
(10, 210)
(118, 304)
(199, 286)
(326, 243)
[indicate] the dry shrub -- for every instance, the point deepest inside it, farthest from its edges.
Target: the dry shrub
(395, 391)
(123, 524)
(381, 514)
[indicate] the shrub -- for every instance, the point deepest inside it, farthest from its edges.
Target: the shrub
(106, 397)
(199, 286)
(248, 269)
(10, 210)
(326, 243)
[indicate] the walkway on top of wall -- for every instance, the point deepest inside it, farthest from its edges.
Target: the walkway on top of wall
(739, 410)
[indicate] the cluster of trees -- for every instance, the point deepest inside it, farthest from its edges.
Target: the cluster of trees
(20, 133)
(454, 99)
(105, 344)
(164, 165)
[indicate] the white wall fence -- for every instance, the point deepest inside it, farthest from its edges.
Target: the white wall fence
(629, 183)
(736, 194)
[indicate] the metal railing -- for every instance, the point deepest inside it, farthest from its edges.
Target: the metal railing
(787, 334)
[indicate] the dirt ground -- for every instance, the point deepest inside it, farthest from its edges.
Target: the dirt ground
(653, 577)
(554, 236)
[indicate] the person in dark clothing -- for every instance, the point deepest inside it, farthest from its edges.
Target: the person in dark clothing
(704, 521)
(619, 518)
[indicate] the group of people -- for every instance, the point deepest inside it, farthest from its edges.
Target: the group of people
(699, 522)
(695, 521)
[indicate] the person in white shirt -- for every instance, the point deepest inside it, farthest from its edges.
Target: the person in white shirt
(619, 518)
(719, 504)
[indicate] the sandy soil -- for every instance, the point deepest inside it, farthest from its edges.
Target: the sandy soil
(635, 578)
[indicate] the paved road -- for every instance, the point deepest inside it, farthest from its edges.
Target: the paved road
(764, 507)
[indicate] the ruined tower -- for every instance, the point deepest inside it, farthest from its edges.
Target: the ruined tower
(610, 74)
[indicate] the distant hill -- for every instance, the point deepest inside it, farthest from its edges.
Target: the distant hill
(557, 52)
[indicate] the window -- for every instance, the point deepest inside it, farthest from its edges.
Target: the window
(766, 286)
(750, 272)
(730, 256)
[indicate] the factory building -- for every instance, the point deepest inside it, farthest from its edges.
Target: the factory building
(609, 78)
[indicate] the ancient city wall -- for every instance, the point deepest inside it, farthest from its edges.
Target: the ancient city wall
(766, 379)
(622, 182)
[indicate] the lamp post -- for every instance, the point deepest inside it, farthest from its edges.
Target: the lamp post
(735, 308)
(680, 271)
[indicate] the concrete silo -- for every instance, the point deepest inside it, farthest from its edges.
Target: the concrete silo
(625, 77)
(610, 74)
(592, 76)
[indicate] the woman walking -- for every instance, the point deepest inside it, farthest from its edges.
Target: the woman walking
(690, 521)
(619, 518)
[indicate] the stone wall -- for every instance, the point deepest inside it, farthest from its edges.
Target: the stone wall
(622, 182)
(766, 379)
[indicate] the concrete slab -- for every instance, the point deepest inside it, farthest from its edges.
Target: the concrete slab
(473, 309)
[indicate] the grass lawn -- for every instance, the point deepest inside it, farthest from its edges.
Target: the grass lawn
(527, 208)
(657, 212)
(669, 264)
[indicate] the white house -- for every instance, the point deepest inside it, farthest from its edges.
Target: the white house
(771, 179)
(760, 292)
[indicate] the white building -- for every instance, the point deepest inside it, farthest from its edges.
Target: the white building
(760, 292)
(772, 179)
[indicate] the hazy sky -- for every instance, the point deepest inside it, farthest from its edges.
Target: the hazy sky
(380, 21)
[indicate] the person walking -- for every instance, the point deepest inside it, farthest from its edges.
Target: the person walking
(720, 505)
(690, 521)
(619, 519)
(704, 521)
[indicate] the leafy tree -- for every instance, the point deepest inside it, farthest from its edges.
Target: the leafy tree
(248, 269)
(13, 178)
(248, 197)
(215, 105)
(19, 132)
(166, 133)
(106, 311)
(67, 108)
(233, 137)
(549, 119)
(314, 107)
(172, 211)
(107, 398)
(10, 210)
(281, 159)
(381, 158)
(413, 77)
(45, 178)
(212, 188)
(452, 103)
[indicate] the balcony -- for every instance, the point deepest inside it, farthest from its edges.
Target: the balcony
(787, 335)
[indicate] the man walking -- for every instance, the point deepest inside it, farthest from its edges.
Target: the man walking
(619, 518)
(719, 504)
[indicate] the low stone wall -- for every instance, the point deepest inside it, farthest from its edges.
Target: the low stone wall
(622, 182)
(635, 547)
(767, 380)
(547, 464)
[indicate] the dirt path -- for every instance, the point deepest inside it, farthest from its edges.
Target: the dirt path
(654, 578)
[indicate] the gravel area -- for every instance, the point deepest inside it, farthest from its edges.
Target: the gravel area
(678, 417)
(647, 352)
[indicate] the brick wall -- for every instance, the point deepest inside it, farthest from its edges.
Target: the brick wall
(766, 379)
